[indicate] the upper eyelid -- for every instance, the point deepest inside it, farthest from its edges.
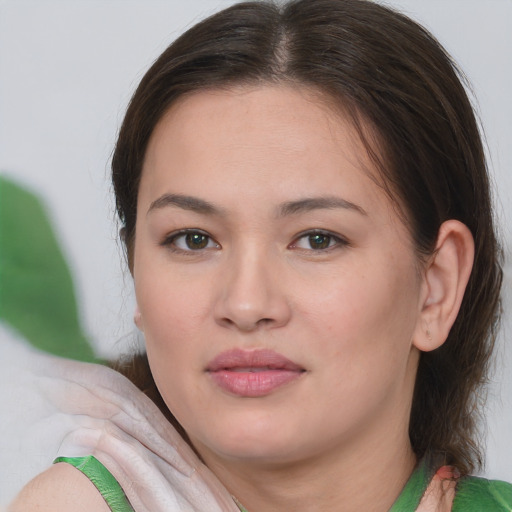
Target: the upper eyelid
(186, 231)
(326, 232)
(341, 241)
(170, 237)
(175, 234)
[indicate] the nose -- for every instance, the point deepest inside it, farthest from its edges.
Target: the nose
(252, 295)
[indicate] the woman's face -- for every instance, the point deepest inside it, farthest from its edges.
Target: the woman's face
(279, 292)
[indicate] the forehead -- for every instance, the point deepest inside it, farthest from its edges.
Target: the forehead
(278, 140)
(251, 115)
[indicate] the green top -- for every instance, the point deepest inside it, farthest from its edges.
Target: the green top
(414, 489)
(478, 494)
(103, 479)
(472, 494)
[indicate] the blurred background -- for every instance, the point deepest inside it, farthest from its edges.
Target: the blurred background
(67, 71)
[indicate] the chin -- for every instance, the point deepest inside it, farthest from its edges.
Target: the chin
(256, 454)
(264, 444)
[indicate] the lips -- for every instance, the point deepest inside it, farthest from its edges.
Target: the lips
(254, 373)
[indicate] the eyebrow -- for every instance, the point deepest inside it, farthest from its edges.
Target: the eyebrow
(203, 207)
(193, 204)
(318, 203)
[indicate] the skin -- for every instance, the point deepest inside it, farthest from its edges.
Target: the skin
(353, 311)
(62, 487)
(349, 314)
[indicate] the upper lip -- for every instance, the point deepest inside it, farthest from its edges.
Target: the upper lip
(260, 358)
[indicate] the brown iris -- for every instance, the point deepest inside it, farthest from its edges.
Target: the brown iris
(319, 241)
(196, 241)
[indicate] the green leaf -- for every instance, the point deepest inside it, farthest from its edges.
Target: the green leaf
(37, 297)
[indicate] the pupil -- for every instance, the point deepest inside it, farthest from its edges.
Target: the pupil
(319, 241)
(196, 241)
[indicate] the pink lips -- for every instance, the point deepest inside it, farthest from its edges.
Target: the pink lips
(252, 373)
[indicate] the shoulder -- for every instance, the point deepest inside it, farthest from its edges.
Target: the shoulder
(477, 494)
(59, 489)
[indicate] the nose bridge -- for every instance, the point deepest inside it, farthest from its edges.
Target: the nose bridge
(253, 295)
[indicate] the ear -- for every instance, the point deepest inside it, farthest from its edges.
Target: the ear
(444, 283)
(137, 319)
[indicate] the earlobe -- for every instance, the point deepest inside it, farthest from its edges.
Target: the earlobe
(445, 280)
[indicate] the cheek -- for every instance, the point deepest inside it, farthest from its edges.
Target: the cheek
(363, 315)
(363, 328)
(173, 312)
(172, 318)
(173, 325)
(337, 305)
(165, 294)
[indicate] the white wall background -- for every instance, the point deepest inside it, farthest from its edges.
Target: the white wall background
(67, 70)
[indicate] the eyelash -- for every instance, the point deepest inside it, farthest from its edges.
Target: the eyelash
(170, 241)
(339, 241)
(334, 241)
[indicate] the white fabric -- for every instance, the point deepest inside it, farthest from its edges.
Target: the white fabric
(101, 413)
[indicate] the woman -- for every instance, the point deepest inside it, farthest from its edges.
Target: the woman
(306, 213)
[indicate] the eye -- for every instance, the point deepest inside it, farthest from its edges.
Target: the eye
(190, 240)
(318, 241)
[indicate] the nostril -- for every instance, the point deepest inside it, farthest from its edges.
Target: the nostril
(227, 322)
(246, 324)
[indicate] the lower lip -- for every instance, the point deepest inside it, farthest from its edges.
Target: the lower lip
(253, 384)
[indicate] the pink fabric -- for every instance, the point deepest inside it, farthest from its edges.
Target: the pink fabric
(440, 492)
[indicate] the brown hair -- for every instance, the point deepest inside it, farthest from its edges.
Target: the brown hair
(386, 72)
